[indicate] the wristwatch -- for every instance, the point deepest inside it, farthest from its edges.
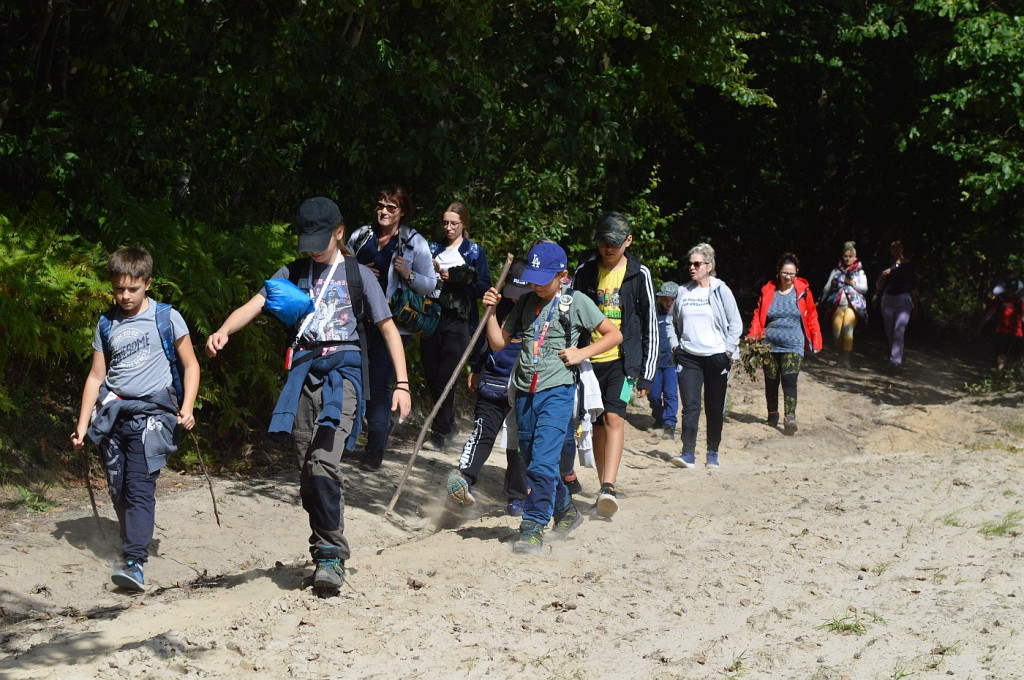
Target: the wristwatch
(412, 277)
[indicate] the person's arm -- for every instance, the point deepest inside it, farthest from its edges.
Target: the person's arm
(236, 321)
(483, 276)
(860, 282)
(989, 313)
(734, 322)
(187, 354)
(610, 337)
(670, 333)
(401, 399)
(813, 326)
(91, 391)
(756, 331)
(497, 337)
(649, 336)
(422, 264)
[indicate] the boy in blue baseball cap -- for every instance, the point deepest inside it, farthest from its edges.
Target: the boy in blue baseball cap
(544, 382)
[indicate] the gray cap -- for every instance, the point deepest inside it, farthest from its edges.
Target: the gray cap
(612, 227)
(668, 289)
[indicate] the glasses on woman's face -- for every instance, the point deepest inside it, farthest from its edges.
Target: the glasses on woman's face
(788, 275)
(696, 265)
(451, 223)
(391, 208)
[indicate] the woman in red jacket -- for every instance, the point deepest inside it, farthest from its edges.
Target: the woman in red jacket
(786, 320)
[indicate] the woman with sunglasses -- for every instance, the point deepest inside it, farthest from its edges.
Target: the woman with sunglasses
(844, 296)
(398, 256)
(462, 278)
(785, 320)
(708, 326)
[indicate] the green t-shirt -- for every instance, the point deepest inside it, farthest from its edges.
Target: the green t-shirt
(528, 317)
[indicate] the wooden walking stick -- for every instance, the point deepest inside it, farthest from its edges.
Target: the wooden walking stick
(448, 388)
(92, 494)
(202, 465)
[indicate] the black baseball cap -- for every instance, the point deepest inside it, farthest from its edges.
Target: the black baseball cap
(315, 224)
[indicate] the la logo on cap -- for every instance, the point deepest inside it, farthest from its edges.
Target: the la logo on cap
(536, 262)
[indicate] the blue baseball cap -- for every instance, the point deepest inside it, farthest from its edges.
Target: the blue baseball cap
(544, 262)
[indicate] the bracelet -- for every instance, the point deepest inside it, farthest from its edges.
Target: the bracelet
(404, 389)
(401, 382)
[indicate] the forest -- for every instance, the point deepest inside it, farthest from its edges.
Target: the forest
(196, 128)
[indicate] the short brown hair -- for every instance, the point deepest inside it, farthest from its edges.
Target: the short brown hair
(133, 261)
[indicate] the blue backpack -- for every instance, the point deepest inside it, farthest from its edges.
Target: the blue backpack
(166, 332)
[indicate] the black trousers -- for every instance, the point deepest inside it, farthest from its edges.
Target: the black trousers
(487, 420)
(440, 354)
(710, 375)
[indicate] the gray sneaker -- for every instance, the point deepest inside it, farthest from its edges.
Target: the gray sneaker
(531, 539)
(566, 521)
(329, 576)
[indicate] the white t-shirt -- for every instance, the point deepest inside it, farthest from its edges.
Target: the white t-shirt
(699, 335)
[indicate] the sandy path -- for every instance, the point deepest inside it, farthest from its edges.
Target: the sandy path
(869, 518)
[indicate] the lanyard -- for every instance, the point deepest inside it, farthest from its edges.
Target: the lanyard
(538, 339)
(320, 295)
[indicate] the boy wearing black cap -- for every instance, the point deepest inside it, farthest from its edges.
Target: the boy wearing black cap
(623, 289)
(545, 384)
(324, 392)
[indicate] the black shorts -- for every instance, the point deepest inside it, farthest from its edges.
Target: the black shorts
(610, 376)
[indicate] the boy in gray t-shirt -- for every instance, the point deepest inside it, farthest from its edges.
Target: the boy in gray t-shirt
(129, 405)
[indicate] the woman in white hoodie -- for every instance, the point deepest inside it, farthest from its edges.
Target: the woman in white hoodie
(708, 325)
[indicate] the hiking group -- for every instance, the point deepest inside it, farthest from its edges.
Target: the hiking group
(556, 365)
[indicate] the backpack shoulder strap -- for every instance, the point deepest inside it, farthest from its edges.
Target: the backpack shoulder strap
(166, 331)
(105, 324)
(357, 293)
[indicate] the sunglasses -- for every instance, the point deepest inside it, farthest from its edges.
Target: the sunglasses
(695, 264)
(387, 206)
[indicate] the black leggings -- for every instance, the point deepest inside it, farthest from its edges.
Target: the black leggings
(440, 354)
(710, 375)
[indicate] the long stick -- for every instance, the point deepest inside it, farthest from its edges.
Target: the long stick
(92, 494)
(202, 465)
(448, 388)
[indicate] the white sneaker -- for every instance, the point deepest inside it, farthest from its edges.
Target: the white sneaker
(607, 502)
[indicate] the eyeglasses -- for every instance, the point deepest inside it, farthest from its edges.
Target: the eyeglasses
(696, 264)
(787, 274)
(387, 206)
(450, 223)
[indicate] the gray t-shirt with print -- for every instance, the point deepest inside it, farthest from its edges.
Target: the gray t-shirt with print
(528, 317)
(137, 367)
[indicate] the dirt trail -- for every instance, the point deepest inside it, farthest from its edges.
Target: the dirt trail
(869, 522)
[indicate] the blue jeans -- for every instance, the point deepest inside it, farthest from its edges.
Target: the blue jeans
(664, 396)
(543, 418)
(378, 407)
(132, 487)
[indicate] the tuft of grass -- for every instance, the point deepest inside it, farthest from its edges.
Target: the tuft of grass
(952, 519)
(736, 667)
(876, 617)
(1008, 525)
(940, 575)
(881, 568)
(1009, 493)
(846, 625)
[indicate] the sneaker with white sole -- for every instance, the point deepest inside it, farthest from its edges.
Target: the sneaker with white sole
(607, 501)
(789, 425)
(712, 461)
(459, 490)
(686, 460)
(130, 577)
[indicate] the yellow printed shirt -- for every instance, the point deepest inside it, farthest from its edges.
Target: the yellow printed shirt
(608, 285)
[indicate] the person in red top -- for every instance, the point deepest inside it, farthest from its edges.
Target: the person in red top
(1006, 304)
(785, 320)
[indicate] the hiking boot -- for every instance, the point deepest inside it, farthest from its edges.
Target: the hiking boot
(669, 434)
(515, 507)
(712, 461)
(773, 419)
(330, 569)
(372, 459)
(434, 442)
(607, 500)
(459, 491)
(531, 539)
(566, 521)
(790, 425)
(687, 460)
(129, 577)
(572, 483)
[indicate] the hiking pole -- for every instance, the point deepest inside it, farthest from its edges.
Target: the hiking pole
(448, 388)
(92, 494)
(202, 465)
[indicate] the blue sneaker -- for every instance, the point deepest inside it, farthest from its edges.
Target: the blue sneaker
(687, 460)
(515, 507)
(459, 491)
(129, 577)
(712, 459)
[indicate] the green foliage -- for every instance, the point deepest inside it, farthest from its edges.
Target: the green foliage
(35, 501)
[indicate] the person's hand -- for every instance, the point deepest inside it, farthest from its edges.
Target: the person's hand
(401, 402)
(640, 394)
(78, 439)
(571, 356)
(186, 419)
(444, 274)
(886, 272)
(373, 269)
(402, 267)
(474, 382)
(215, 343)
(491, 297)
(437, 266)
